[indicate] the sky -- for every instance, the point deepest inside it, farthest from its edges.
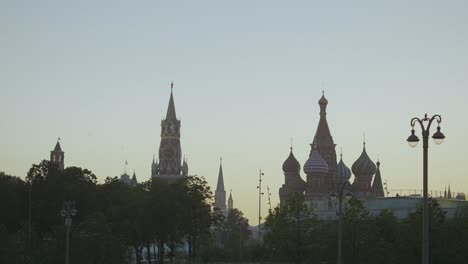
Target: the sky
(247, 77)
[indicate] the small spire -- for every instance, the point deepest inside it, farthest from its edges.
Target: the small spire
(291, 144)
(341, 153)
(364, 140)
(171, 113)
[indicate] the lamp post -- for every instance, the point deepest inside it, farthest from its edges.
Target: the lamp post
(340, 196)
(29, 246)
(413, 140)
(260, 193)
(67, 212)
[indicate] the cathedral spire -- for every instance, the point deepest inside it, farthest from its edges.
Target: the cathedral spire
(323, 135)
(171, 113)
(230, 202)
(220, 185)
(377, 187)
(220, 193)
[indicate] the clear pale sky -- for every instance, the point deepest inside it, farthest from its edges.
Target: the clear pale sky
(247, 77)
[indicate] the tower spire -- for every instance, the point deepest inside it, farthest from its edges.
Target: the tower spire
(230, 201)
(220, 184)
(171, 113)
(377, 189)
(220, 193)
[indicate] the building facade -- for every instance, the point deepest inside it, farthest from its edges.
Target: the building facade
(323, 175)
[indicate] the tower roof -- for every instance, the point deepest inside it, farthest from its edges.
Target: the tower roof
(291, 164)
(323, 135)
(230, 196)
(323, 100)
(220, 185)
(343, 171)
(171, 113)
(57, 146)
(134, 181)
(363, 165)
(377, 186)
(315, 163)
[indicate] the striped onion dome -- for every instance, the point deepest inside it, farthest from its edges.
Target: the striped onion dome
(291, 164)
(344, 173)
(315, 164)
(364, 165)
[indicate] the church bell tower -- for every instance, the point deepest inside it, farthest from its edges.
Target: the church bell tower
(57, 156)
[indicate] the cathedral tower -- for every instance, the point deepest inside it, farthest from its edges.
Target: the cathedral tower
(316, 169)
(230, 202)
(377, 186)
(293, 183)
(363, 170)
(57, 156)
(220, 193)
(326, 146)
(170, 152)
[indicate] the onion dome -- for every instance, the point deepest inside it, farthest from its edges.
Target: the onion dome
(344, 173)
(315, 164)
(291, 164)
(323, 100)
(364, 165)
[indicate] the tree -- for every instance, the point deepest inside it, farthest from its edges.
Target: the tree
(289, 230)
(196, 207)
(236, 233)
(359, 232)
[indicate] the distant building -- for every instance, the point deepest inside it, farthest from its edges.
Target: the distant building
(57, 156)
(293, 183)
(325, 176)
(125, 178)
(220, 193)
(230, 202)
(170, 166)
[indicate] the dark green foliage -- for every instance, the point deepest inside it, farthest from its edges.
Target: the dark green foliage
(291, 231)
(368, 239)
(115, 221)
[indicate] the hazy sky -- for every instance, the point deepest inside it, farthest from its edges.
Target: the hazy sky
(247, 77)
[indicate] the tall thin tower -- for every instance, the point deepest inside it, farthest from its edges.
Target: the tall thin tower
(325, 145)
(220, 193)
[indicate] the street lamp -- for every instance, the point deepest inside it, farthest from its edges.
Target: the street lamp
(341, 196)
(343, 176)
(413, 142)
(260, 193)
(67, 212)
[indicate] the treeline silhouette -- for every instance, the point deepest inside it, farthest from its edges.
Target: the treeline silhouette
(296, 235)
(115, 222)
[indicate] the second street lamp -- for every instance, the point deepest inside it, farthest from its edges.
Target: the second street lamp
(67, 212)
(344, 173)
(413, 140)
